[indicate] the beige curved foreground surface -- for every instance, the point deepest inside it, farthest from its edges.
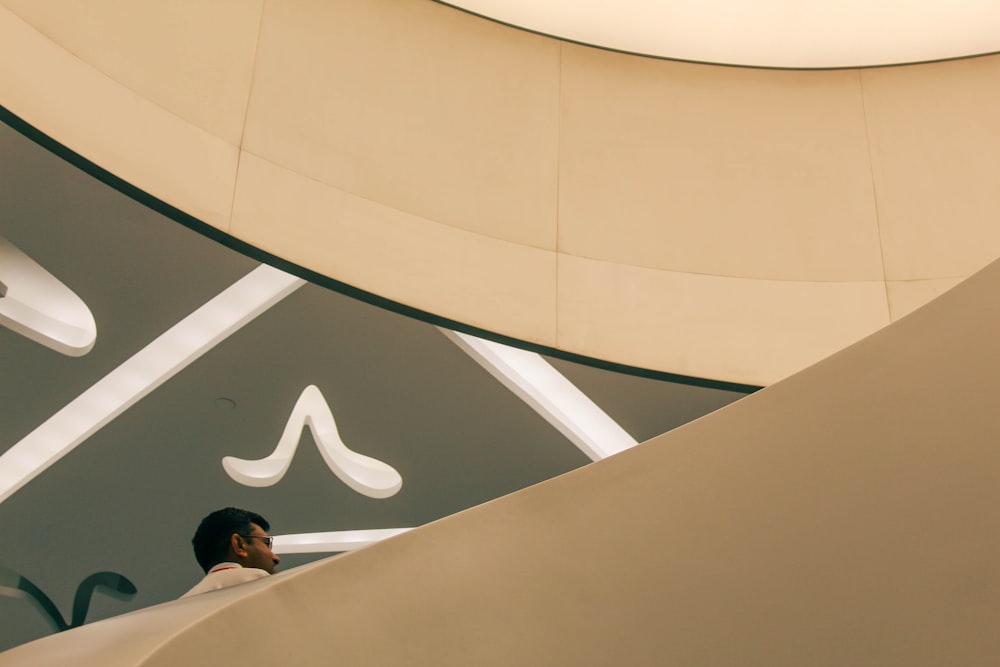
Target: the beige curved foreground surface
(733, 224)
(845, 516)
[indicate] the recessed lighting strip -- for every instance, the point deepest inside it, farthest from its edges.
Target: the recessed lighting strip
(550, 394)
(142, 373)
(342, 540)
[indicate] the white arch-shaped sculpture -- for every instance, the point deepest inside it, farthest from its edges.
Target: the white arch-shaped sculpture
(726, 223)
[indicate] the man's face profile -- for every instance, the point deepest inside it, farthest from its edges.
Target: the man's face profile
(258, 554)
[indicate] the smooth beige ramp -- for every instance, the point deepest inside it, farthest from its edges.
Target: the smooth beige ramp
(845, 516)
(736, 224)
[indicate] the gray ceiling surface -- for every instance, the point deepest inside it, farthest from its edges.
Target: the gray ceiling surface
(128, 498)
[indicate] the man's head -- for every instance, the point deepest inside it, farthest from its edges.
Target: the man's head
(234, 535)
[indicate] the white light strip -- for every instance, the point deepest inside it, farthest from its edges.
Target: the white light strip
(343, 540)
(142, 373)
(550, 394)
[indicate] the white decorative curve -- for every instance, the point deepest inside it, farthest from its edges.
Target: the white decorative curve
(550, 394)
(768, 33)
(334, 541)
(147, 369)
(35, 304)
(364, 474)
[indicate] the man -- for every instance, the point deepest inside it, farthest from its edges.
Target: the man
(232, 546)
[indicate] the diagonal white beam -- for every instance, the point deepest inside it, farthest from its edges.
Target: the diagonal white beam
(550, 394)
(147, 369)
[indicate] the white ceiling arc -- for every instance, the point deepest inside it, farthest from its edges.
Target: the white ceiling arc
(765, 33)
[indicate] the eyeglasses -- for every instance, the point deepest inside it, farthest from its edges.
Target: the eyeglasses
(267, 540)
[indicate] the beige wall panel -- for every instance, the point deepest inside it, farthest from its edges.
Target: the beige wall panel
(191, 57)
(736, 329)
(114, 127)
(416, 106)
(726, 171)
(905, 296)
(935, 134)
(476, 279)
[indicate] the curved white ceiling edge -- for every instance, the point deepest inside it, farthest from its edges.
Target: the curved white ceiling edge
(35, 304)
(764, 33)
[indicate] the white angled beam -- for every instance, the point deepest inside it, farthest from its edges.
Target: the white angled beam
(142, 373)
(550, 394)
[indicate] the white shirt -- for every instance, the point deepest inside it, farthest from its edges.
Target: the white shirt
(224, 575)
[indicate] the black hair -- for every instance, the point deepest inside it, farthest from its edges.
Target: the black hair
(211, 540)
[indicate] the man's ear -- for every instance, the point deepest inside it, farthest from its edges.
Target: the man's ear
(238, 546)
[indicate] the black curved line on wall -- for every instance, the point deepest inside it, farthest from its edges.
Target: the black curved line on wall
(112, 584)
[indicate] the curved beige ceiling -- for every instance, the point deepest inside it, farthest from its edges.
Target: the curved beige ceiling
(728, 223)
(765, 33)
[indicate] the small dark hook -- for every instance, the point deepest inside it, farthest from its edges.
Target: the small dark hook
(111, 583)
